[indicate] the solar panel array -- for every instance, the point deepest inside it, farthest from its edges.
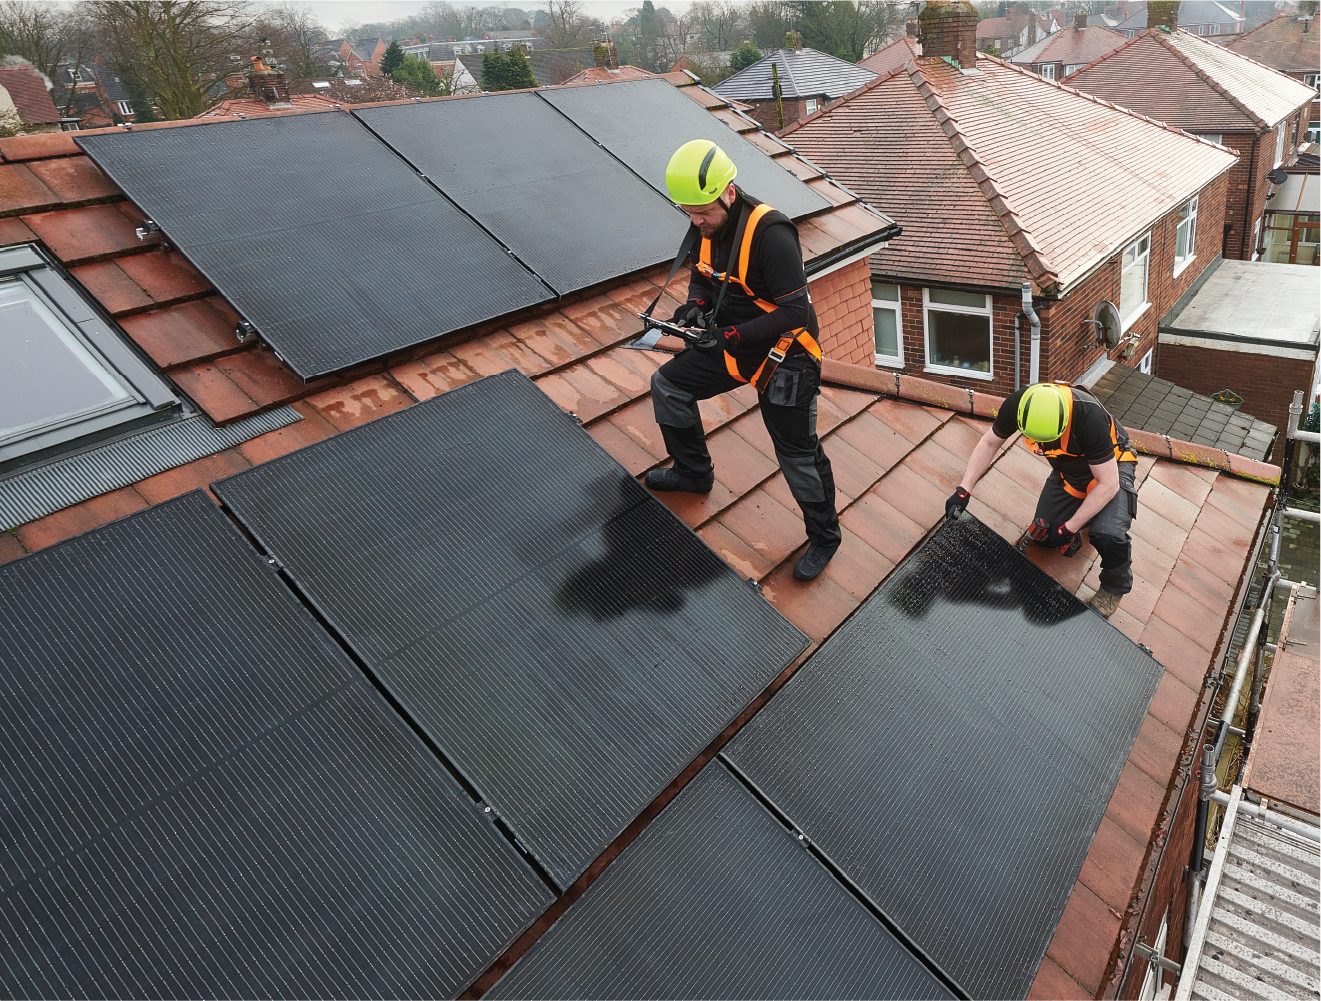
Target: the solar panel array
(205, 798)
(952, 749)
(565, 641)
(567, 209)
(317, 233)
(717, 899)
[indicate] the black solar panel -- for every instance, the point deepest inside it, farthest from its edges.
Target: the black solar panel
(204, 798)
(953, 747)
(565, 640)
(317, 233)
(570, 211)
(717, 899)
(644, 121)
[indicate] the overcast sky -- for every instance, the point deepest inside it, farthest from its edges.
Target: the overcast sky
(333, 13)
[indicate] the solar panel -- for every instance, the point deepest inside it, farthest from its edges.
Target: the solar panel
(643, 122)
(205, 798)
(565, 640)
(568, 209)
(317, 233)
(717, 899)
(953, 747)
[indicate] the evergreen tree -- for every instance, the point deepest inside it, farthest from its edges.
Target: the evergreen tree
(420, 75)
(393, 58)
(518, 71)
(744, 56)
(494, 71)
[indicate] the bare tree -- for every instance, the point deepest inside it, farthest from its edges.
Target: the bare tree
(178, 49)
(295, 34)
(719, 20)
(569, 26)
(45, 34)
(768, 21)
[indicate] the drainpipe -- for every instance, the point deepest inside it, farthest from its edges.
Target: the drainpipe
(1018, 343)
(1034, 356)
(1197, 863)
(1247, 208)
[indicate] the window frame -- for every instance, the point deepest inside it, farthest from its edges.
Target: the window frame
(1190, 245)
(1312, 80)
(1279, 144)
(1147, 361)
(125, 107)
(1042, 71)
(897, 304)
(940, 307)
(1216, 137)
(1145, 258)
(811, 105)
(1215, 29)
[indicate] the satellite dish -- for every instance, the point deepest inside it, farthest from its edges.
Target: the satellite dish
(1278, 176)
(1106, 322)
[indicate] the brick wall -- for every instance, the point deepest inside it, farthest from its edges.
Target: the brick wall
(1066, 341)
(1250, 191)
(794, 109)
(842, 300)
(1265, 382)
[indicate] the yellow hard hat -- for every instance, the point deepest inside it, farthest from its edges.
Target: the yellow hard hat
(698, 172)
(1043, 412)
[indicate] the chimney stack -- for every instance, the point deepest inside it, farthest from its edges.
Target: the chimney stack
(949, 30)
(268, 85)
(1163, 14)
(1080, 20)
(1307, 8)
(793, 40)
(914, 28)
(607, 57)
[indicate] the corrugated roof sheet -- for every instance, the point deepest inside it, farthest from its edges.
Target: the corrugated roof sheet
(803, 73)
(1282, 44)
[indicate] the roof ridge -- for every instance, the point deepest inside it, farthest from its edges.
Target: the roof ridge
(789, 71)
(1239, 37)
(1248, 59)
(1038, 265)
(850, 96)
(1215, 85)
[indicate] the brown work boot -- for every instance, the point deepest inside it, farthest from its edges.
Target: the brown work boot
(1104, 602)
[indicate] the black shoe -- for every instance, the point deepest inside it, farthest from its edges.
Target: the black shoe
(815, 560)
(669, 479)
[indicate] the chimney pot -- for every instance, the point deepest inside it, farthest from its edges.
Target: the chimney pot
(914, 28)
(268, 85)
(1163, 14)
(949, 30)
(1080, 20)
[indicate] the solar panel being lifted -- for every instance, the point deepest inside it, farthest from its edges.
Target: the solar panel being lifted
(566, 641)
(952, 749)
(317, 233)
(567, 209)
(643, 122)
(205, 798)
(717, 899)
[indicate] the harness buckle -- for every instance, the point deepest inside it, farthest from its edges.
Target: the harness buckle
(776, 355)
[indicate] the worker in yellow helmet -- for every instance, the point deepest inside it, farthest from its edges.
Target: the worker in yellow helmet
(748, 290)
(1092, 483)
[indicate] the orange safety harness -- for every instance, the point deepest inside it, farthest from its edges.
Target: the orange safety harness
(1121, 454)
(762, 377)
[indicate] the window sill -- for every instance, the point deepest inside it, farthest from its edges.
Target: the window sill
(1137, 314)
(885, 361)
(1181, 267)
(966, 373)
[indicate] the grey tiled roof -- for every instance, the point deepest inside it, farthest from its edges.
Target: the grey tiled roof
(1144, 403)
(806, 73)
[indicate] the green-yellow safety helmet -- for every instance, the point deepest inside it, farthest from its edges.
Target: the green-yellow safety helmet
(1043, 412)
(698, 172)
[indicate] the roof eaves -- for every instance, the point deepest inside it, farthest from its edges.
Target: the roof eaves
(1206, 77)
(1038, 266)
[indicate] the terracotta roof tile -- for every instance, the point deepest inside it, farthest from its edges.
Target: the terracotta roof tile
(1071, 46)
(893, 56)
(28, 92)
(112, 287)
(22, 191)
(165, 275)
(311, 429)
(1053, 984)
(744, 559)
(817, 608)
(1174, 702)
(38, 147)
(1156, 748)
(15, 231)
(213, 391)
(10, 548)
(433, 374)
(697, 509)
(359, 402)
(185, 334)
(75, 179)
(263, 377)
(1114, 856)
(627, 452)
(80, 518)
(82, 235)
(1087, 927)
(198, 474)
(1284, 43)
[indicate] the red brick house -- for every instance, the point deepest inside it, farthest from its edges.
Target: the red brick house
(1059, 54)
(1193, 84)
(1288, 43)
(364, 58)
(809, 80)
(998, 181)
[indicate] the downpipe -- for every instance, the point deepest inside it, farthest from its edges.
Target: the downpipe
(1018, 351)
(1034, 353)
(1208, 789)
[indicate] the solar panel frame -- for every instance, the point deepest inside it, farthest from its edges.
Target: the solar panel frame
(642, 122)
(952, 748)
(567, 209)
(390, 264)
(205, 797)
(489, 499)
(717, 899)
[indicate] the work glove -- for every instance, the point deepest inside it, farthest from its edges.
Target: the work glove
(1046, 534)
(691, 314)
(720, 341)
(957, 504)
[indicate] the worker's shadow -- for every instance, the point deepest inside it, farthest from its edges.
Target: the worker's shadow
(648, 561)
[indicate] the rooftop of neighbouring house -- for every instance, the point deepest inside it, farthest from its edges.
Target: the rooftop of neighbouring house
(890, 57)
(1191, 83)
(1286, 42)
(997, 174)
(240, 107)
(898, 445)
(28, 91)
(603, 74)
(1252, 301)
(1071, 46)
(802, 73)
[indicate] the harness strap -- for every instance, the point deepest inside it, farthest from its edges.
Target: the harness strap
(689, 239)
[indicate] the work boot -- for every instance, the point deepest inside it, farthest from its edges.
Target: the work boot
(815, 560)
(671, 479)
(1104, 602)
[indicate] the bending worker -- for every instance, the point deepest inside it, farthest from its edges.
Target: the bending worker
(1091, 484)
(749, 290)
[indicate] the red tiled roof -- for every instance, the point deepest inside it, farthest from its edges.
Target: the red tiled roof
(1019, 187)
(898, 53)
(1072, 46)
(28, 92)
(249, 106)
(1282, 44)
(598, 74)
(1191, 83)
(1000, 27)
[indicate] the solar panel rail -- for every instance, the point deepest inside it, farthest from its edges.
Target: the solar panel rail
(952, 748)
(563, 205)
(565, 641)
(205, 797)
(318, 234)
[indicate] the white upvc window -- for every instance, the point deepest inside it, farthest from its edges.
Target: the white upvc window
(1279, 144)
(1201, 29)
(1313, 132)
(1313, 80)
(125, 108)
(1073, 68)
(1215, 29)
(1144, 366)
(888, 321)
(958, 332)
(812, 105)
(1214, 137)
(1048, 71)
(1133, 279)
(1185, 235)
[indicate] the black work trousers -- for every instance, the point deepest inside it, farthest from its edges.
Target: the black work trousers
(788, 408)
(1108, 529)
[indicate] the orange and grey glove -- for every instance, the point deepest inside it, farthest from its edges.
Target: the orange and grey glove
(1045, 534)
